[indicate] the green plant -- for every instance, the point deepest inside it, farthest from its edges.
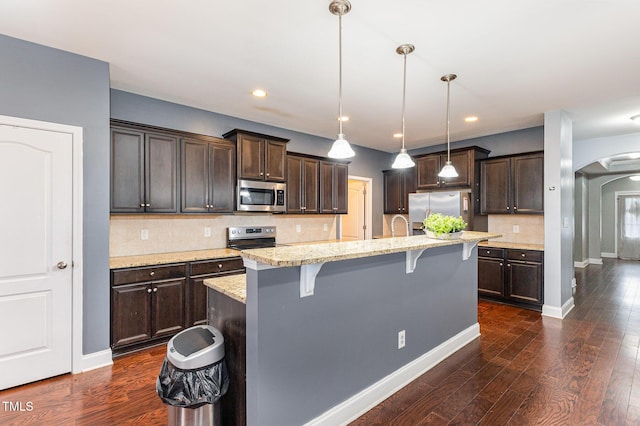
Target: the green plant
(443, 224)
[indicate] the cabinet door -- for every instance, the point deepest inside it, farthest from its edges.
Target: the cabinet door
(490, 276)
(250, 157)
(130, 314)
(221, 178)
(462, 163)
(341, 184)
(310, 185)
(326, 187)
(528, 183)
(127, 171)
(161, 174)
(393, 192)
(409, 186)
(525, 281)
(168, 307)
(427, 169)
(197, 301)
(295, 202)
(495, 186)
(275, 160)
(195, 170)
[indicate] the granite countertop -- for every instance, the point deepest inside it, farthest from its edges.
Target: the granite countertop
(331, 252)
(163, 258)
(508, 245)
(234, 286)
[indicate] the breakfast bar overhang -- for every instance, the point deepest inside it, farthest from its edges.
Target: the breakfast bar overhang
(328, 356)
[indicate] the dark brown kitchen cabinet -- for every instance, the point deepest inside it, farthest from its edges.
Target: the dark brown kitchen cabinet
(429, 166)
(144, 171)
(197, 291)
(259, 157)
(302, 184)
(398, 184)
(511, 276)
(333, 187)
(147, 305)
(512, 184)
(208, 176)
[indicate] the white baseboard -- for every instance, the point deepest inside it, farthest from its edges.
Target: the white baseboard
(556, 312)
(96, 360)
(593, 261)
(582, 264)
(609, 255)
(360, 403)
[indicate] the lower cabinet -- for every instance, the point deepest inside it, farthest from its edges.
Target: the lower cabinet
(147, 304)
(152, 303)
(512, 276)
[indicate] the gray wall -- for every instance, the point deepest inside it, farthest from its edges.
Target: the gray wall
(525, 140)
(40, 83)
(142, 109)
(306, 355)
(581, 205)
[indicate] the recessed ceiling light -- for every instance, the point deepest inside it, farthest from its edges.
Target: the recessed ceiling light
(397, 135)
(635, 177)
(636, 118)
(259, 93)
(471, 119)
(343, 118)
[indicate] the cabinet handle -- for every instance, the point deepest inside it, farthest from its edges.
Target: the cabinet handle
(152, 273)
(155, 289)
(500, 263)
(149, 290)
(142, 205)
(220, 265)
(488, 252)
(508, 265)
(261, 174)
(507, 208)
(515, 208)
(267, 174)
(147, 205)
(524, 255)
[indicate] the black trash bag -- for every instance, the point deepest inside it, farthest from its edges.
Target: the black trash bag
(192, 388)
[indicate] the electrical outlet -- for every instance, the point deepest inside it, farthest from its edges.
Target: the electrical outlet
(298, 228)
(207, 231)
(144, 234)
(401, 339)
(325, 227)
(516, 229)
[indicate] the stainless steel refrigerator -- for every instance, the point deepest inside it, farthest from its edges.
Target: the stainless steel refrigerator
(454, 203)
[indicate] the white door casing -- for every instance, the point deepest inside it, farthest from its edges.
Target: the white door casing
(39, 305)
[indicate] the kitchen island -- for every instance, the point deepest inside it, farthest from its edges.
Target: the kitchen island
(323, 322)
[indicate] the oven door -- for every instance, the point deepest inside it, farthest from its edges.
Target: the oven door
(256, 196)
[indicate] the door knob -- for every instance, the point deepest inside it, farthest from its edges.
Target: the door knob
(61, 265)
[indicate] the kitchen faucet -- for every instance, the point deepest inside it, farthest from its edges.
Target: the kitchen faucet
(393, 219)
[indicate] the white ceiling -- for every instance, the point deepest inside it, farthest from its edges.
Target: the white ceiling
(514, 60)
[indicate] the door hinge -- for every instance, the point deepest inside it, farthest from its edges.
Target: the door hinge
(364, 227)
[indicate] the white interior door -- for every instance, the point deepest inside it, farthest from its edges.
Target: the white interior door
(629, 226)
(35, 254)
(353, 223)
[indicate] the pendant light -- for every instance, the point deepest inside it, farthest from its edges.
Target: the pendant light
(448, 171)
(403, 160)
(340, 148)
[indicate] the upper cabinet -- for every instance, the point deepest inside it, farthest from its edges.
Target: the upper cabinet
(302, 184)
(144, 171)
(333, 187)
(398, 184)
(464, 161)
(260, 157)
(513, 184)
(208, 175)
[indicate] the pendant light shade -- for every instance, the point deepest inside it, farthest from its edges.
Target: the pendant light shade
(448, 171)
(403, 160)
(340, 148)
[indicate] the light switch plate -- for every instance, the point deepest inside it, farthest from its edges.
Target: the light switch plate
(207, 231)
(298, 228)
(144, 234)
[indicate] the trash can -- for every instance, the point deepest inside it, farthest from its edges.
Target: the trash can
(194, 377)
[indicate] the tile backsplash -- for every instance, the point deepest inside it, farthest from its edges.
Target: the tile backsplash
(173, 233)
(515, 228)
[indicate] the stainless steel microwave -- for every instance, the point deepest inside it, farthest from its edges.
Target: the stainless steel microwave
(258, 196)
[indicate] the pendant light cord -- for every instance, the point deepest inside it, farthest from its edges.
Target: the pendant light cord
(340, 73)
(448, 117)
(404, 94)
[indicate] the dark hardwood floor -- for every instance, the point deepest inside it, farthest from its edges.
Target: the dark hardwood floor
(525, 369)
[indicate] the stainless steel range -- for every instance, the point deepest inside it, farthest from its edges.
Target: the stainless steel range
(249, 237)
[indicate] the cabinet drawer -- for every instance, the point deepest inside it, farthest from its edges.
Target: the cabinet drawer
(525, 255)
(150, 273)
(216, 266)
(490, 252)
